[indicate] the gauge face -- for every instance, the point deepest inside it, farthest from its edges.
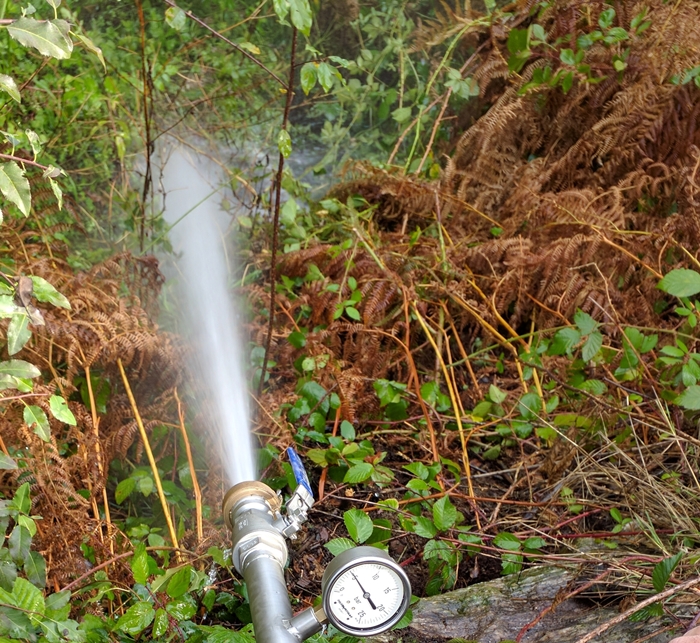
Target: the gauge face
(367, 595)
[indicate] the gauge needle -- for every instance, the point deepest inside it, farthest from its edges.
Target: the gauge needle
(364, 593)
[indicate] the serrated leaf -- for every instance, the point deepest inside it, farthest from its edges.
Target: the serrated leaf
(139, 564)
(300, 15)
(444, 514)
(284, 143)
(585, 323)
(179, 582)
(35, 569)
(49, 37)
(19, 368)
(181, 609)
(690, 398)
(45, 292)
(424, 527)
(91, 46)
(358, 524)
(358, 472)
(593, 343)
(663, 570)
(59, 409)
(681, 283)
(34, 415)
(339, 545)
(18, 333)
(8, 84)
(176, 18)
(308, 77)
(136, 619)
(15, 187)
(506, 540)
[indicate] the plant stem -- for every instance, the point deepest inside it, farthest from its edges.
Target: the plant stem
(276, 216)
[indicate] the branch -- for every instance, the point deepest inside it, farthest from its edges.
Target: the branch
(19, 159)
(248, 55)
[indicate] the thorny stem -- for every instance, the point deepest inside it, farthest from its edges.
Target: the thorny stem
(247, 54)
(276, 216)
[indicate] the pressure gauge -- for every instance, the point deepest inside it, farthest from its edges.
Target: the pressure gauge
(365, 592)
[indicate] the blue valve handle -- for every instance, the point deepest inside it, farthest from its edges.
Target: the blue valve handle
(298, 469)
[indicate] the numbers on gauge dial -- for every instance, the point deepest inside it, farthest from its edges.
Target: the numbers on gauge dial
(366, 596)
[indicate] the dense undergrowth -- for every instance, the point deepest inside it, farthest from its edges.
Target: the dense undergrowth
(484, 344)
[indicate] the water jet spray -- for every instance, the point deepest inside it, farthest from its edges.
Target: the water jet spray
(364, 591)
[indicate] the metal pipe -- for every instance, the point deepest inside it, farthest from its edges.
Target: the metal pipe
(251, 510)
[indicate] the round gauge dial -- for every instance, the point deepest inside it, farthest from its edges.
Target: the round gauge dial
(365, 592)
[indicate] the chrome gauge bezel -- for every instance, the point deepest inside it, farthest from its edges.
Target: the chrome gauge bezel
(355, 557)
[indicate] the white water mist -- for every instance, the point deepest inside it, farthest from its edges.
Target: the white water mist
(191, 186)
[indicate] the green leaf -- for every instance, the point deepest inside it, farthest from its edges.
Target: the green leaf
(424, 527)
(182, 608)
(18, 333)
(49, 37)
(45, 292)
(29, 598)
(564, 341)
(681, 283)
(59, 409)
(176, 18)
(347, 430)
(18, 543)
(15, 187)
(17, 625)
(496, 395)
(8, 84)
(401, 114)
(160, 624)
(300, 15)
(281, 8)
(8, 571)
(353, 313)
(567, 57)
(90, 46)
(308, 77)
(593, 343)
(136, 619)
(358, 524)
(139, 564)
(6, 462)
(21, 500)
(284, 143)
(325, 76)
(585, 323)
(124, 490)
(358, 473)
(690, 398)
(530, 405)
(339, 545)
(508, 541)
(35, 569)
(663, 570)
(444, 514)
(33, 415)
(19, 368)
(179, 583)
(606, 18)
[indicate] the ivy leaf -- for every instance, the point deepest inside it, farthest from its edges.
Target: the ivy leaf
(300, 14)
(176, 18)
(359, 525)
(681, 283)
(49, 37)
(18, 333)
(339, 545)
(136, 619)
(19, 368)
(444, 514)
(284, 143)
(15, 187)
(59, 409)
(45, 292)
(8, 84)
(34, 415)
(308, 77)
